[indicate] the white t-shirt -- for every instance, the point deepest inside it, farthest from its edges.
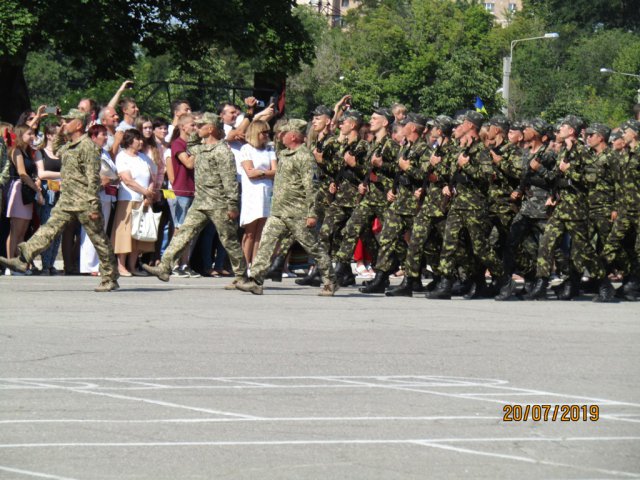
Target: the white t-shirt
(139, 167)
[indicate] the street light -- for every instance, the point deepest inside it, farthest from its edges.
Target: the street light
(506, 67)
(608, 70)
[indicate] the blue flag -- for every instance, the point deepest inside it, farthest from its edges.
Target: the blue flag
(480, 106)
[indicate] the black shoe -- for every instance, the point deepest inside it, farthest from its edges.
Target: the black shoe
(344, 275)
(442, 291)
(431, 286)
(507, 289)
(461, 288)
(311, 280)
(606, 292)
(631, 290)
(570, 288)
(478, 289)
(275, 270)
(377, 285)
(418, 287)
(405, 289)
(539, 291)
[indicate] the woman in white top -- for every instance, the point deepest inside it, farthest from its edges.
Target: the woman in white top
(134, 170)
(258, 161)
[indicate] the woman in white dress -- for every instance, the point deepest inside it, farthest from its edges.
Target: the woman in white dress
(258, 161)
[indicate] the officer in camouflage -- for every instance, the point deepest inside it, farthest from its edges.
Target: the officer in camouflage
(292, 211)
(78, 200)
(216, 200)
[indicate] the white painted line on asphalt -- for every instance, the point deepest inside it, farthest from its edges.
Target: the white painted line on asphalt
(622, 417)
(257, 419)
(528, 459)
(32, 474)
(152, 402)
(318, 442)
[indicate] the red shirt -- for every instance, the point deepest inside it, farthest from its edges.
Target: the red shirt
(184, 184)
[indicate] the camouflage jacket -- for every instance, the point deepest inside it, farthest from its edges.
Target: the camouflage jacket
(505, 178)
(600, 179)
(80, 174)
(628, 183)
(570, 187)
(407, 182)
(215, 177)
(295, 184)
(471, 182)
(436, 178)
(348, 178)
(328, 169)
(380, 179)
(535, 186)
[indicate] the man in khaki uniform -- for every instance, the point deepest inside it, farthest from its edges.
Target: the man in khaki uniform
(216, 200)
(78, 200)
(292, 211)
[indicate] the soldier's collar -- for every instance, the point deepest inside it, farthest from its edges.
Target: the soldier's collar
(82, 137)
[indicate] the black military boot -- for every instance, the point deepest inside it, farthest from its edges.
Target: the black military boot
(377, 285)
(417, 286)
(507, 289)
(433, 284)
(311, 279)
(442, 291)
(344, 275)
(606, 292)
(631, 289)
(461, 287)
(405, 289)
(478, 288)
(275, 270)
(570, 288)
(539, 291)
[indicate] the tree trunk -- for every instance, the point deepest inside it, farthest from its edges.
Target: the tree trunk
(15, 95)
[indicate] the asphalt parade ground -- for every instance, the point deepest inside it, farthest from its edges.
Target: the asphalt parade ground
(185, 380)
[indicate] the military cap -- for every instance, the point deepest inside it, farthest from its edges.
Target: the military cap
(294, 125)
(277, 128)
(617, 135)
(600, 129)
(444, 123)
(539, 125)
(573, 121)
(474, 117)
(74, 113)
(352, 115)
(416, 118)
(458, 120)
(209, 118)
(322, 110)
(499, 121)
(386, 113)
(632, 124)
(430, 122)
(516, 125)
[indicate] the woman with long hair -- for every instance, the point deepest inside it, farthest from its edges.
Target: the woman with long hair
(136, 188)
(258, 161)
(23, 173)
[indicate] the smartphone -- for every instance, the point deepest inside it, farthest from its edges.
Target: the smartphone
(51, 110)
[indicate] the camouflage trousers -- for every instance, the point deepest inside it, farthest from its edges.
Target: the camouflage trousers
(335, 219)
(277, 228)
(54, 227)
(600, 225)
(624, 237)
(193, 224)
(478, 227)
(393, 247)
(501, 224)
(521, 249)
(425, 244)
(582, 255)
(358, 226)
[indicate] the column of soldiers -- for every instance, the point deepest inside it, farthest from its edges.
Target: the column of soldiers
(457, 198)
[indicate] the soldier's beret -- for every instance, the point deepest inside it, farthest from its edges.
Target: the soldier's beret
(539, 125)
(617, 135)
(322, 110)
(416, 118)
(209, 118)
(354, 115)
(474, 117)
(294, 125)
(632, 124)
(386, 113)
(500, 121)
(600, 129)
(74, 113)
(573, 121)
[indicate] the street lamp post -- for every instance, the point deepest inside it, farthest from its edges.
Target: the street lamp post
(506, 67)
(608, 70)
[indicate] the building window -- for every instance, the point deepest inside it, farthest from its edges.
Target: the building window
(512, 7)
(345, 3)
(489, 6)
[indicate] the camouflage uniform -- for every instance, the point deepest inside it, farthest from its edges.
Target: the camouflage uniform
(347, 196)
(468, 211)
(329, 146)
(294, 193)
(570, 216)
(379, 180)
(216, 194)
(599, 177)
(78, 199)
(398, 218)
